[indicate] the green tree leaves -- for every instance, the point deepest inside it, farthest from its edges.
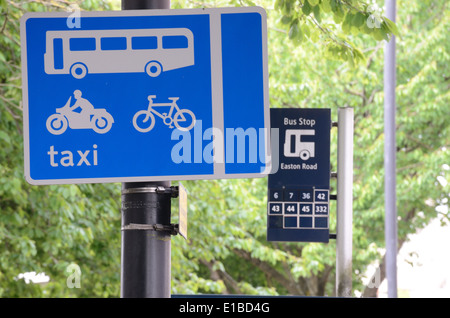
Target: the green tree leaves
(324, 17)
(307, 8)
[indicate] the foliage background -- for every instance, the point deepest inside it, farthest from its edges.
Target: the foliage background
(321, 54)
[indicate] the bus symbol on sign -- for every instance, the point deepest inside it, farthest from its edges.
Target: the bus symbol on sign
(302, 149)
(151, 51)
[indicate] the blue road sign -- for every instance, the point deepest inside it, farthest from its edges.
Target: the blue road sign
(145, 95)
(298, 203)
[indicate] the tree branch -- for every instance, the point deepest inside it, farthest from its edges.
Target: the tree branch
(291, 286)
(218, 274)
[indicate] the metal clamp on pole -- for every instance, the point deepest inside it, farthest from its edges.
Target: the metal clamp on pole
(172, 190)
(172, 228)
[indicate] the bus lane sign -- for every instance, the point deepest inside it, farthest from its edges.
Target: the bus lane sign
(145, 95)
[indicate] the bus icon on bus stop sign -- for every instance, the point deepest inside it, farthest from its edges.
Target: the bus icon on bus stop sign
(302, 149)
(81, 52)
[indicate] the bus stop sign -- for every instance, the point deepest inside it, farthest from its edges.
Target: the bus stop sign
(145, 95)
(299, 190)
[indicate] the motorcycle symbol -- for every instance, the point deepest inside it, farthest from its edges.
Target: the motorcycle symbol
(89, 118)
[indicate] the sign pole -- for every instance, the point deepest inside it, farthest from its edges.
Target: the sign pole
(344, 203)
(146, 244)
(389, 158)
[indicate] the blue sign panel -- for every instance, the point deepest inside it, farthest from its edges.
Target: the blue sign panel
(145, 95)
(298, 204)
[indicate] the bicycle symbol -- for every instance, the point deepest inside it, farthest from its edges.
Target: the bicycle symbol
(183, 119)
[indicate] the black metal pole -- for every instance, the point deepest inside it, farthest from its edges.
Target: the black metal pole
(145, 4)
(145, 251)
(145, 255)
